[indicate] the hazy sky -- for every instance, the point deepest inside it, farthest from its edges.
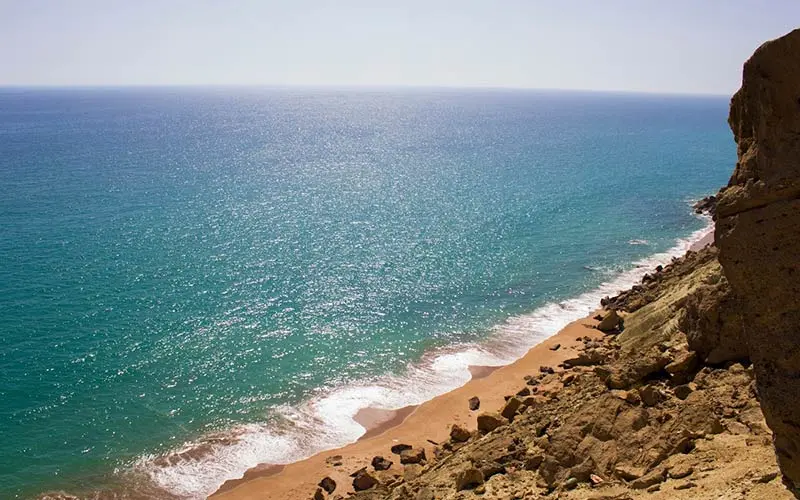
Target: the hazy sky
(694, 46)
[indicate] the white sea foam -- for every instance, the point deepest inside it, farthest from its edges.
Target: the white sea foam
(327, 422)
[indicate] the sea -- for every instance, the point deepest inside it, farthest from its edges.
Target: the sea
(197, 280)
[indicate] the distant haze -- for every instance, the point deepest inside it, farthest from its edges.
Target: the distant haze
(681, 46)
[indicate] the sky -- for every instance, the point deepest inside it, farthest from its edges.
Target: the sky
(676, 46)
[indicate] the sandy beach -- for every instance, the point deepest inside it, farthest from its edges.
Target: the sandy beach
(420, 426)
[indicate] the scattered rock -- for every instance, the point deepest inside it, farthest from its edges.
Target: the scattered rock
(474, 403)
(555, 347)
(629, 472)
(487, 422)
(547, 370)
(334, 461)
(318, 495)
(399, 448)
(685, 486)
(650, 395)
(524, 392)
(380, 463)
(510, 408)
(681, 471)
(459, 434)
(412, 456)
(364, 481)
(589, 357)
(706, 205)
(685, 361)
(468, 478)
(648, 480)
(327, 484)
(571, 483)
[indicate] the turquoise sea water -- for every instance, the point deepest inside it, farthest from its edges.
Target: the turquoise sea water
(233, 273)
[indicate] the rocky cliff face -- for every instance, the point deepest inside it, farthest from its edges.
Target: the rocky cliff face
(758, 234)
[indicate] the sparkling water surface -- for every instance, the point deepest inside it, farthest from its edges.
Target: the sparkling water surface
(179, 265)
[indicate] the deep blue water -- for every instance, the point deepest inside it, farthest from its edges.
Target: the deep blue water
(183, 264)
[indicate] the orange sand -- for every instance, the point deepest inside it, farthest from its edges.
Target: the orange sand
(417, 426)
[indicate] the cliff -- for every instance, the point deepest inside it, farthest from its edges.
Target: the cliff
(758, 233)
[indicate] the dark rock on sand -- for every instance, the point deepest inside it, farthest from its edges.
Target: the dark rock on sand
(399, 448)
(380, 463)
(412, 456)
(459, 434)
(327, 484)
(474, 403)
(364, 481)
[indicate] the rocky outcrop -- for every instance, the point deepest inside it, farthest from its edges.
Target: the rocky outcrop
(713, 323)
(758, 235)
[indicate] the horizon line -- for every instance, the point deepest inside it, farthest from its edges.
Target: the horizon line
(335, 86)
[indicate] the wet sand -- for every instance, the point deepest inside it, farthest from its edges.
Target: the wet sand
(416, 426)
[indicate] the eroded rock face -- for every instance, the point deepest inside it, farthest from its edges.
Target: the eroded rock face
(758, 234)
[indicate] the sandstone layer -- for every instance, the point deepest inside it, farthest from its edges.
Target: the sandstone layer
(758, 234)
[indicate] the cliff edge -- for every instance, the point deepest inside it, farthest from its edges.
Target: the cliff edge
(758, 235)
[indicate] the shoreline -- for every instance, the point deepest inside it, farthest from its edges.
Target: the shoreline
(286, 482)
(415, 425)
(450, 369)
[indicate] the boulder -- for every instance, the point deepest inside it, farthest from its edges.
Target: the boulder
(487, 422)
(364, 481)
(459, 434)
(474, 403)
(318, 495)
(648, 480)
(510, 408)
(380, 463)
(588, 357)
(629, 472)
(399, 448)
(610, 322)
(685, 361)
(650, 395)
(681, 471)
(412, 456)
(468, 478)
(327, 484)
